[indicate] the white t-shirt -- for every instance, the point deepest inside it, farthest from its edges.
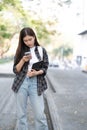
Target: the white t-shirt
(34, 57)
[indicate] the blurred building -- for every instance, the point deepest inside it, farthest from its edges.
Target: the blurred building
(80, 48)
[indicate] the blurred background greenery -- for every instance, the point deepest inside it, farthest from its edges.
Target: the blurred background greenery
(50, 20)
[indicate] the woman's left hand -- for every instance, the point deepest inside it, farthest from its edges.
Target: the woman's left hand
(32, 73)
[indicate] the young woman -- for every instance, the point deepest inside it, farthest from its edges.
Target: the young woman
(30, 82)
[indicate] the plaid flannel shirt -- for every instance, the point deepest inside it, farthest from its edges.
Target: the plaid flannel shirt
(20, 76)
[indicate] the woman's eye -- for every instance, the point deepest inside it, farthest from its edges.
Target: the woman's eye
(27, 40)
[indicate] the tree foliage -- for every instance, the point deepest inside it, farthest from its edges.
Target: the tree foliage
(13, 17)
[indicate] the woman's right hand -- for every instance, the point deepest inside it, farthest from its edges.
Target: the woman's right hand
(26, 58)
(22, 61)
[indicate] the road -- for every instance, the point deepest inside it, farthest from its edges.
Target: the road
(70, 98)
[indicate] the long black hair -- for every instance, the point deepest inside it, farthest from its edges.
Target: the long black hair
(21, 45)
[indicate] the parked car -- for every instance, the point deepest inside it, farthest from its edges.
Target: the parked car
(53, 63)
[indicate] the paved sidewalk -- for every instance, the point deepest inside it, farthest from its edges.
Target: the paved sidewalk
(8, 117)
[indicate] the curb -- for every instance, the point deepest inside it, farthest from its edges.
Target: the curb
(7, 75)
(53, 112)
(50, 84)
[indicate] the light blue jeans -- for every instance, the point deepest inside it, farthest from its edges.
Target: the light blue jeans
(29, 88)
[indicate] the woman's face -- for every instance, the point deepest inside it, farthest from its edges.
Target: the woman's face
(29, 41)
